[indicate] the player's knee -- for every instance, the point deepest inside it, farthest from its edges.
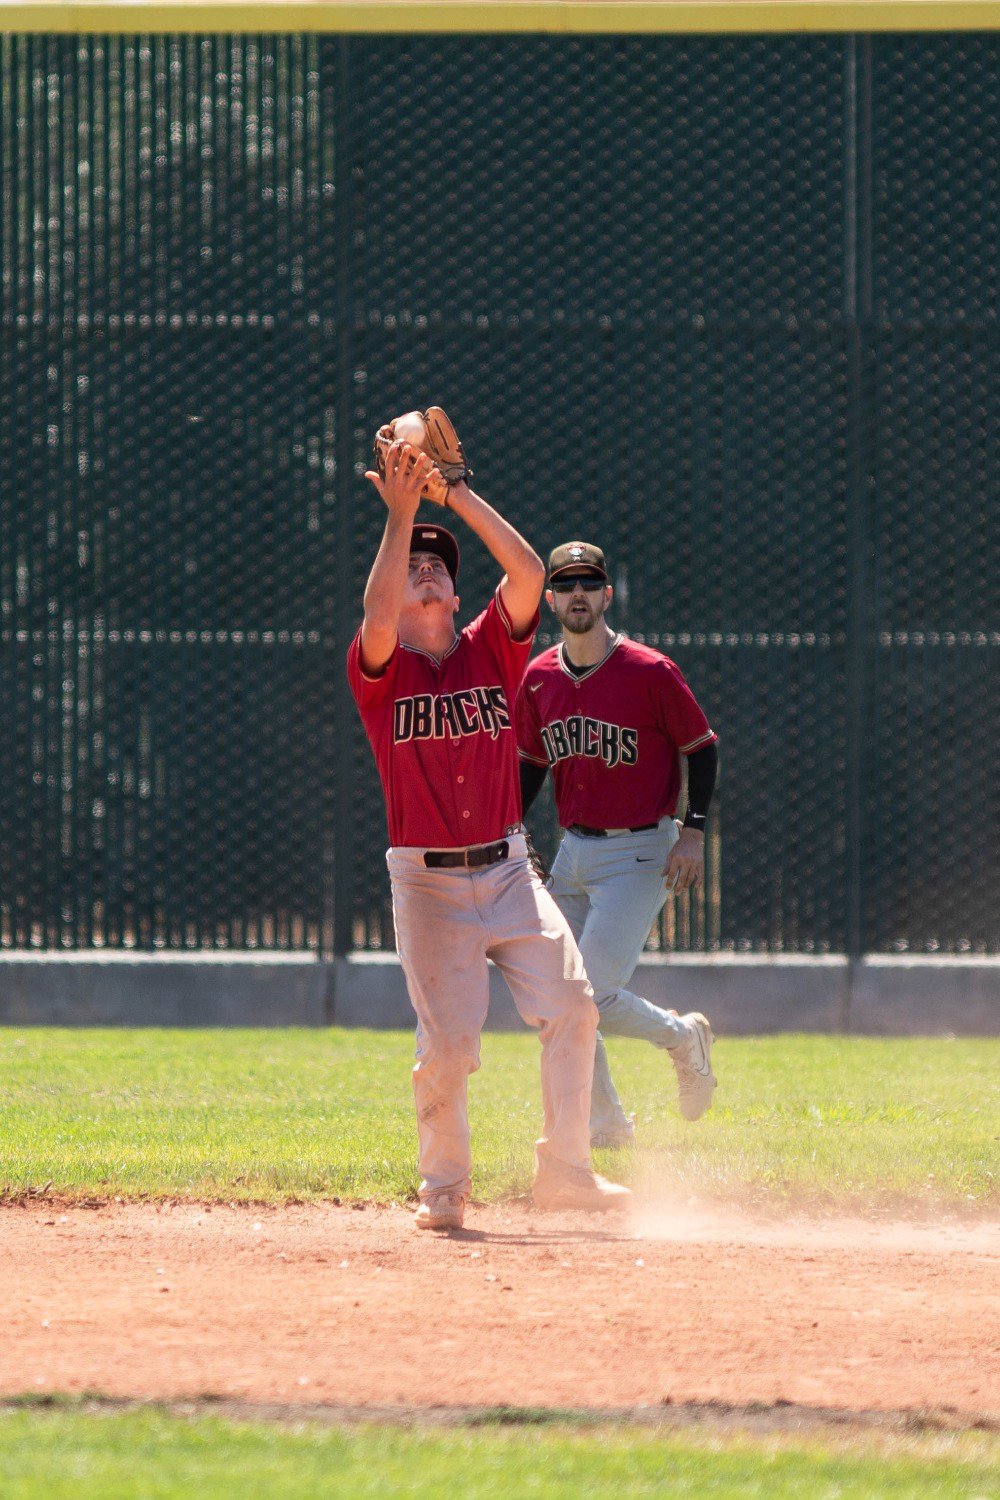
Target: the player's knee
(578, 1021)
(451, 1053)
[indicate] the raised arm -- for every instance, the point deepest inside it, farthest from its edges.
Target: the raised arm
(524, 571)
(406, 468)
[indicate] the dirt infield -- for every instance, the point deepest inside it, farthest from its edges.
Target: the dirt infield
(342, 1306)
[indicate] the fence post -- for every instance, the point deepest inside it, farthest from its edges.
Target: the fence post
(340, 589)
(858, 314)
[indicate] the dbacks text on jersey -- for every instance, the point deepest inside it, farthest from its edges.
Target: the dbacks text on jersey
(593, 738)
(430, 716)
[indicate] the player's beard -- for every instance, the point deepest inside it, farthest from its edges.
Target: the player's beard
(582, 622)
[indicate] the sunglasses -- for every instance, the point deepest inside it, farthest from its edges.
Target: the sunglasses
(569, 585)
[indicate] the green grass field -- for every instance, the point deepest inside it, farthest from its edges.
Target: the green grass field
(832, 1122)
(73, 1455)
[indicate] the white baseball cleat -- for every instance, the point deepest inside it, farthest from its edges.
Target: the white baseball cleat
(444, 1211)
(693, 1063)
(616, 1138)
(582, 1190)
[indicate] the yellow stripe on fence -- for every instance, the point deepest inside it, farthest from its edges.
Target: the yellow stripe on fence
(527, 16)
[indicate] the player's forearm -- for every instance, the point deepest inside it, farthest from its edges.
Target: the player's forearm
(524, 568)
(384, 590)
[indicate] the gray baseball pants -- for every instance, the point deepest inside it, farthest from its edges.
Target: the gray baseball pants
(611, 891)
(448, 923)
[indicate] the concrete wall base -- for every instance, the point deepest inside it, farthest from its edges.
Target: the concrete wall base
(741, 994)
(128, 989)
(748, 994)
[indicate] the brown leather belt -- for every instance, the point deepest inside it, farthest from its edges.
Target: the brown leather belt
(470, 859)
(603, 833)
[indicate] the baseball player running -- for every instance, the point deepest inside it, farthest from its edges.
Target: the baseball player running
(612, 719)
(437, 708)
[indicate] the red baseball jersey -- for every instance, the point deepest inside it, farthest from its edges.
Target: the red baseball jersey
(613, 736)
(443, 734)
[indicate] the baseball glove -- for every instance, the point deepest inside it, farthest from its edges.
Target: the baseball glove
(433, 432)
(535, 860)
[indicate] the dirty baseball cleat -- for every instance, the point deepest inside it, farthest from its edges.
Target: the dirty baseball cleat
(582, 1190)
(615, 1138)
(445, 1211)
(693, 1063)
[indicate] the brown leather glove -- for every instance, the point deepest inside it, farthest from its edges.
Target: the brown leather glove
(433, 432)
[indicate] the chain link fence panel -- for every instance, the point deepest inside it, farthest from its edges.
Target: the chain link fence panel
(726, 306)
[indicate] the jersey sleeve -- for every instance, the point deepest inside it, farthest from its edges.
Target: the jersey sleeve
(680, 712)
(369, 690)
(528, 727)
(493, 633)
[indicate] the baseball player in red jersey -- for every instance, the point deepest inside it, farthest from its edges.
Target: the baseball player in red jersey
(612, 719)
(437, 707)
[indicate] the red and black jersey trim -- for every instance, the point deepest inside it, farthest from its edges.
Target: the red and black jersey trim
(582, 676)
(437, 660)
(707, 738)
(508, 623)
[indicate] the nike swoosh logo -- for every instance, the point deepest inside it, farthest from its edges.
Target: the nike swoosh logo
(533, 687)
(645, 861)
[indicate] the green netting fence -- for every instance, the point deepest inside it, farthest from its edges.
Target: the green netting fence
(726, 306)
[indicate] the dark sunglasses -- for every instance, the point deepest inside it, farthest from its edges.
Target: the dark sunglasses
(567, 585)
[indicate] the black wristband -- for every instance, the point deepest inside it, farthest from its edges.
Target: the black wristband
(695, 820)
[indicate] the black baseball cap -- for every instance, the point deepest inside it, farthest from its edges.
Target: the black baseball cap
(439, 543)
(578, 557)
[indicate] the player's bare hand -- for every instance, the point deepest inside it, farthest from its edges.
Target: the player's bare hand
(685, 868)
(406, 473)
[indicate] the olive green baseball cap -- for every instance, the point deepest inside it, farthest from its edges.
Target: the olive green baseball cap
(578, 557)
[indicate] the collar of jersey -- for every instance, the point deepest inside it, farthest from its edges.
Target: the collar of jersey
(582, 676)
(429, 654)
